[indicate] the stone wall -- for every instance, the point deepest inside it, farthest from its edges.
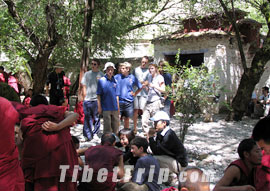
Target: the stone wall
(221, 54)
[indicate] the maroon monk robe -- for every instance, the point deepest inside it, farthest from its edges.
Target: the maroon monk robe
(11, 176)
(43, 152)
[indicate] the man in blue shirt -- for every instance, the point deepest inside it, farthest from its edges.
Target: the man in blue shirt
(108, 99)
(127, 82)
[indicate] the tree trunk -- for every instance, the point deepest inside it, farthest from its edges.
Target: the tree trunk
(249, 80)
(39, 71)
(88, 15)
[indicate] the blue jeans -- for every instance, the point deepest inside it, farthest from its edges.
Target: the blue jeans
(91, 118)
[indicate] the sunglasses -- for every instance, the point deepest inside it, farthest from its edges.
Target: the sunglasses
(94, 64)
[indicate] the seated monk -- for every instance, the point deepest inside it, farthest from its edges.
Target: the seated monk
(11, 175)
(261, 134)
(47, 144)
(193, 179)
(240, 175)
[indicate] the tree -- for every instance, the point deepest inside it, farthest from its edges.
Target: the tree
(251, 75)
(46, 32)
(43, 47)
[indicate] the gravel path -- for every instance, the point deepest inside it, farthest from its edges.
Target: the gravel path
(211, 146)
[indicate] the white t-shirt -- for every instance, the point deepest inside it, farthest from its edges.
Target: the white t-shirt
(90, 80)
(154, 94)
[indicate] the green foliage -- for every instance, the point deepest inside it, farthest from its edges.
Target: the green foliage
(193, 89)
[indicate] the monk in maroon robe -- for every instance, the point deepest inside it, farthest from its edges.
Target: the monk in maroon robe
(47, 144)
(11, 175)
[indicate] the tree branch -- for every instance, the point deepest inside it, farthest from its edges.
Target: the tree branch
(53, 36)
(28, 32)
(238, 37)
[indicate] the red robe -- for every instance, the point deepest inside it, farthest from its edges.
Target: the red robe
(43, 152)
(263, 174)
(11, 176)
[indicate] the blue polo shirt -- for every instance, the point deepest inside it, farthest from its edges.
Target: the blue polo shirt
(108, 90)
(126, 86)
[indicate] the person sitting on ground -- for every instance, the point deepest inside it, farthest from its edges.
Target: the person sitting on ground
(126, 136)
(194, 179)
(140, 180)
(261, 134)
(28, 97)
(47, 127)
(11, 175)
(165, 145)
(240, 175)
(76, 142)
(104, 156)
(263, 105)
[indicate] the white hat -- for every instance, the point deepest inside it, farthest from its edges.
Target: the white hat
(160, 115)
(109, 64)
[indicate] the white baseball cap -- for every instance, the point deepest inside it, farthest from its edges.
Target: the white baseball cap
(160, 115)
(109, 64)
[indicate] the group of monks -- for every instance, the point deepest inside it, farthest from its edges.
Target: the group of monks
(47, 144)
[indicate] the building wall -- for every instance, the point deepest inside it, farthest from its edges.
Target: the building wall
(220, 54)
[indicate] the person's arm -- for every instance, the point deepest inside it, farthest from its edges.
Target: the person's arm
(83, 92)
(121, 171)
(160, 87)
(70, 118)
(233, 172)
(99, 105)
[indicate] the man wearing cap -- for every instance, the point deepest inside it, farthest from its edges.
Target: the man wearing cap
(108, 93)
(90, 105)
(166, 146)
(56, 80)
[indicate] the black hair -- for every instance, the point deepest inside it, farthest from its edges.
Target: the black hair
(108, 138)
(146, 57)
(2, 68)
(140, 142)
(96, 60)
(245, 145)
(75, 140)
(38, 99)
(262, 130)
(128, 132)
(265, 88)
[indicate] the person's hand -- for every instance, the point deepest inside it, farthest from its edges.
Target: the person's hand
(50, 126)
(151, 132)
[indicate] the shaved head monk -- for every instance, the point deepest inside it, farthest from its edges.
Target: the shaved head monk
(11, 175)
(47, 145)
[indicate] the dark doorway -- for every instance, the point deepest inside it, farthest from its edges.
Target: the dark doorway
(195, 59)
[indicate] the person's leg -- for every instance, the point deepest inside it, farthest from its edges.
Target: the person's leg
(145, 118)
(107, 121)
(135, 113)
(115, 121)
(167, 106)
(87, 131)
(96, 117)
(128, 113)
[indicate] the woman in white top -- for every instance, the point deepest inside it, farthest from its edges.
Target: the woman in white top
(155, 86)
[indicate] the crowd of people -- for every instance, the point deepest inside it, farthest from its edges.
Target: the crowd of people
(42, 155)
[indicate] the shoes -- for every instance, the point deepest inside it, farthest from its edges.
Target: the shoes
(96, 138)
